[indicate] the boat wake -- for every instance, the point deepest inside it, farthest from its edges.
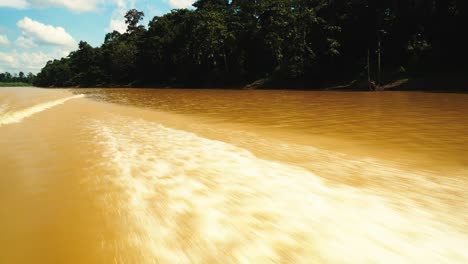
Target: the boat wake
(3, 108)
(182, 198)
(7, 117)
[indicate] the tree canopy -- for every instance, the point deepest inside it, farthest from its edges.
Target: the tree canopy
(20, 77)
(223, 43)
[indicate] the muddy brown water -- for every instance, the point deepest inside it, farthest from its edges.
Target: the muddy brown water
(230, 176)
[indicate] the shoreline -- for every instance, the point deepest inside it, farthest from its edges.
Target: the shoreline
(438, 84)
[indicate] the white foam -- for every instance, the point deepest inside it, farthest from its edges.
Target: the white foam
(186, 199)
(3, 108)
(18, 116)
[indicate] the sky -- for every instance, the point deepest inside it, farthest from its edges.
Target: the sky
(33, 32)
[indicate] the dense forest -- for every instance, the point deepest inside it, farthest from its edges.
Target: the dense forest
(7, 78)
(221, 43)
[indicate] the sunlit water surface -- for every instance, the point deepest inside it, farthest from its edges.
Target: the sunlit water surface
(212, 176)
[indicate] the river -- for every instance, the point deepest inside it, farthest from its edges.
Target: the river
(232, 176)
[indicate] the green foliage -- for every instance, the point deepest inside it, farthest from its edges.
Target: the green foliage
(20, 79)
(132, 18)
(223, 43)
(14, 84)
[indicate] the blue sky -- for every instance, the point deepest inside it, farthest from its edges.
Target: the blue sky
(35, 31)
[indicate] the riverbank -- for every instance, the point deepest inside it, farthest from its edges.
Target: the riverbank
(450, 83)
(15, 84)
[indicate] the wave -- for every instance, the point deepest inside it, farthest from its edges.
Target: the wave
(18, 116)
(183, 198)
(3, 108)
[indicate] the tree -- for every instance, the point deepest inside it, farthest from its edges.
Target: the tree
(211, 4)
(133, 18)
(30, 77)
(8, 77)
(223, 43)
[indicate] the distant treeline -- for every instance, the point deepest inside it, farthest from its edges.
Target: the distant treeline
(20, 77)
(224, 43)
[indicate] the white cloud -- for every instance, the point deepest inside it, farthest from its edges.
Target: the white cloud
(117, 21)
(121, 3)
(4, 41)
(15, 61)
(74, 5)
(6, 58)
(45, 34)
(152, 12)
(25, 42)
(117, 25)
(19, 4)
(180, 3)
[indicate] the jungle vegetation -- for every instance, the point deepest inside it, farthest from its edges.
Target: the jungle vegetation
(221, 43)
